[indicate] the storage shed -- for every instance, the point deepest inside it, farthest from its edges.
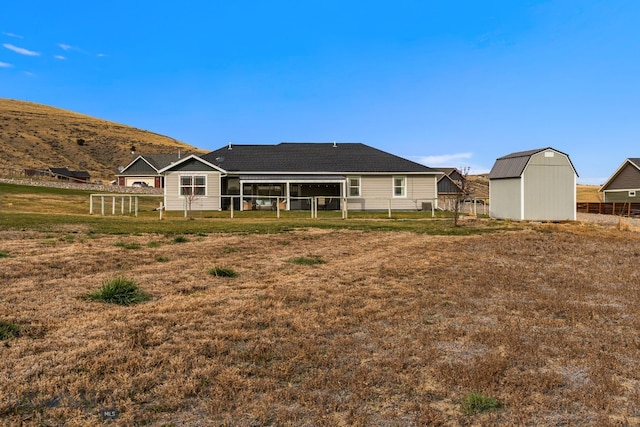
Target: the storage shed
(538, 185)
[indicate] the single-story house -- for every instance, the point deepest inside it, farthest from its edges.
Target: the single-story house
(535, 185)
(624, 184)
(144, 168)
(69, 175)
(290, 175)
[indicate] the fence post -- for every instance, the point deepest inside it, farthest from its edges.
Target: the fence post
(160, 209)
(389, 208)
(136, 206)
(91, 204)
(102, 205)
(113, 205)
(231, 200)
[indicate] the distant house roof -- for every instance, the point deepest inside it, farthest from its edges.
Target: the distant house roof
(156, 162)
(290, 157)
(66, 173)
(633, 161)
(513, 165)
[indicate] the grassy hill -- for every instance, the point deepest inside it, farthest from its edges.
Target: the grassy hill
(35, 136)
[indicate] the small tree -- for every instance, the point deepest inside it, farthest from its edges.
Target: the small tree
(464, 191)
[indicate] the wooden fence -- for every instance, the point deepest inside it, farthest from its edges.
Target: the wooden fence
(611, 208)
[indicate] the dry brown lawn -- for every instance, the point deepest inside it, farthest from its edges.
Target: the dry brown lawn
(395, 329)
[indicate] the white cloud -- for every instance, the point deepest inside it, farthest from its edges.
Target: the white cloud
(20, 50)
(5, 65)
(65, 46)
(59, 57)
(455, 160)
(12, 35)
(445, 160)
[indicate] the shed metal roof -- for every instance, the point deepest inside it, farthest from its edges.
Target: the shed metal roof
(513, 165)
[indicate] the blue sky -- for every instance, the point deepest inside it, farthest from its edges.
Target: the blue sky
(441, 82)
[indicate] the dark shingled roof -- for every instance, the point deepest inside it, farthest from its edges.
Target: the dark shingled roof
(512, 165)
(310, 158)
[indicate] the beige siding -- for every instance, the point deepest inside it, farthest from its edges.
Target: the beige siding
(549, 188)
(505, 198)
(175, 202)
(377, 191)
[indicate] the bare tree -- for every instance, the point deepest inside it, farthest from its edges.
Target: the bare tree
(464, 191)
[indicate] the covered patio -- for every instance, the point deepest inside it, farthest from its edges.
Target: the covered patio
(289, 192)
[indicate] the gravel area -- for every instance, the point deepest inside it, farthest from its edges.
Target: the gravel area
(613, 220)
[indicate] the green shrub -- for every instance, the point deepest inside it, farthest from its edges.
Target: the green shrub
(222, 272)
(161, 258)
(180, 239)
(3, 254)
(153, 244)
(8, 330)
(308, 260)
(120, 291)
(474, 403)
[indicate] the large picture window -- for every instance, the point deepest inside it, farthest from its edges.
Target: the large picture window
(399, 186)
(193, 185)
(354, 183)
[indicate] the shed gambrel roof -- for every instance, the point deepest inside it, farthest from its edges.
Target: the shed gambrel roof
(633, 161)
(513, 165)
(311, 158)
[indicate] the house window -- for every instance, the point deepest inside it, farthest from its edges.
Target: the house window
(632, 193)
(399, 186)
(354, 186)
(193, 185)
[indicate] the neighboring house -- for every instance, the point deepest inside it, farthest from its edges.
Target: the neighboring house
(144, 168)
(291, 173)
(624, 184)
(74, 176)
(449, 182)
(533, 185)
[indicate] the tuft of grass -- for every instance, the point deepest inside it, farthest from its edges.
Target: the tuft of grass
(222, 272)
(3, 254)
(474, 403)
(180, 239)
(161, 258)
(8, 330)
(229, 250)
(153, 244)
(121, 291)
(313, 260)
(131, 246)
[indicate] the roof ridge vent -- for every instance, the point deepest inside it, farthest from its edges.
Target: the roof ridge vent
(229, 148)
(334, 144)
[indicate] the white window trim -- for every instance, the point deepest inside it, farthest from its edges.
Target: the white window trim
(404, 187)
(349, 186)
(193, 176)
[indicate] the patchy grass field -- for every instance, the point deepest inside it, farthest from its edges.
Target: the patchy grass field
(535, 326)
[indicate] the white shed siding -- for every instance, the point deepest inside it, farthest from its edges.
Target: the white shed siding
(175, 202)
(549, 188)
(505, 198)
(376, 191)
